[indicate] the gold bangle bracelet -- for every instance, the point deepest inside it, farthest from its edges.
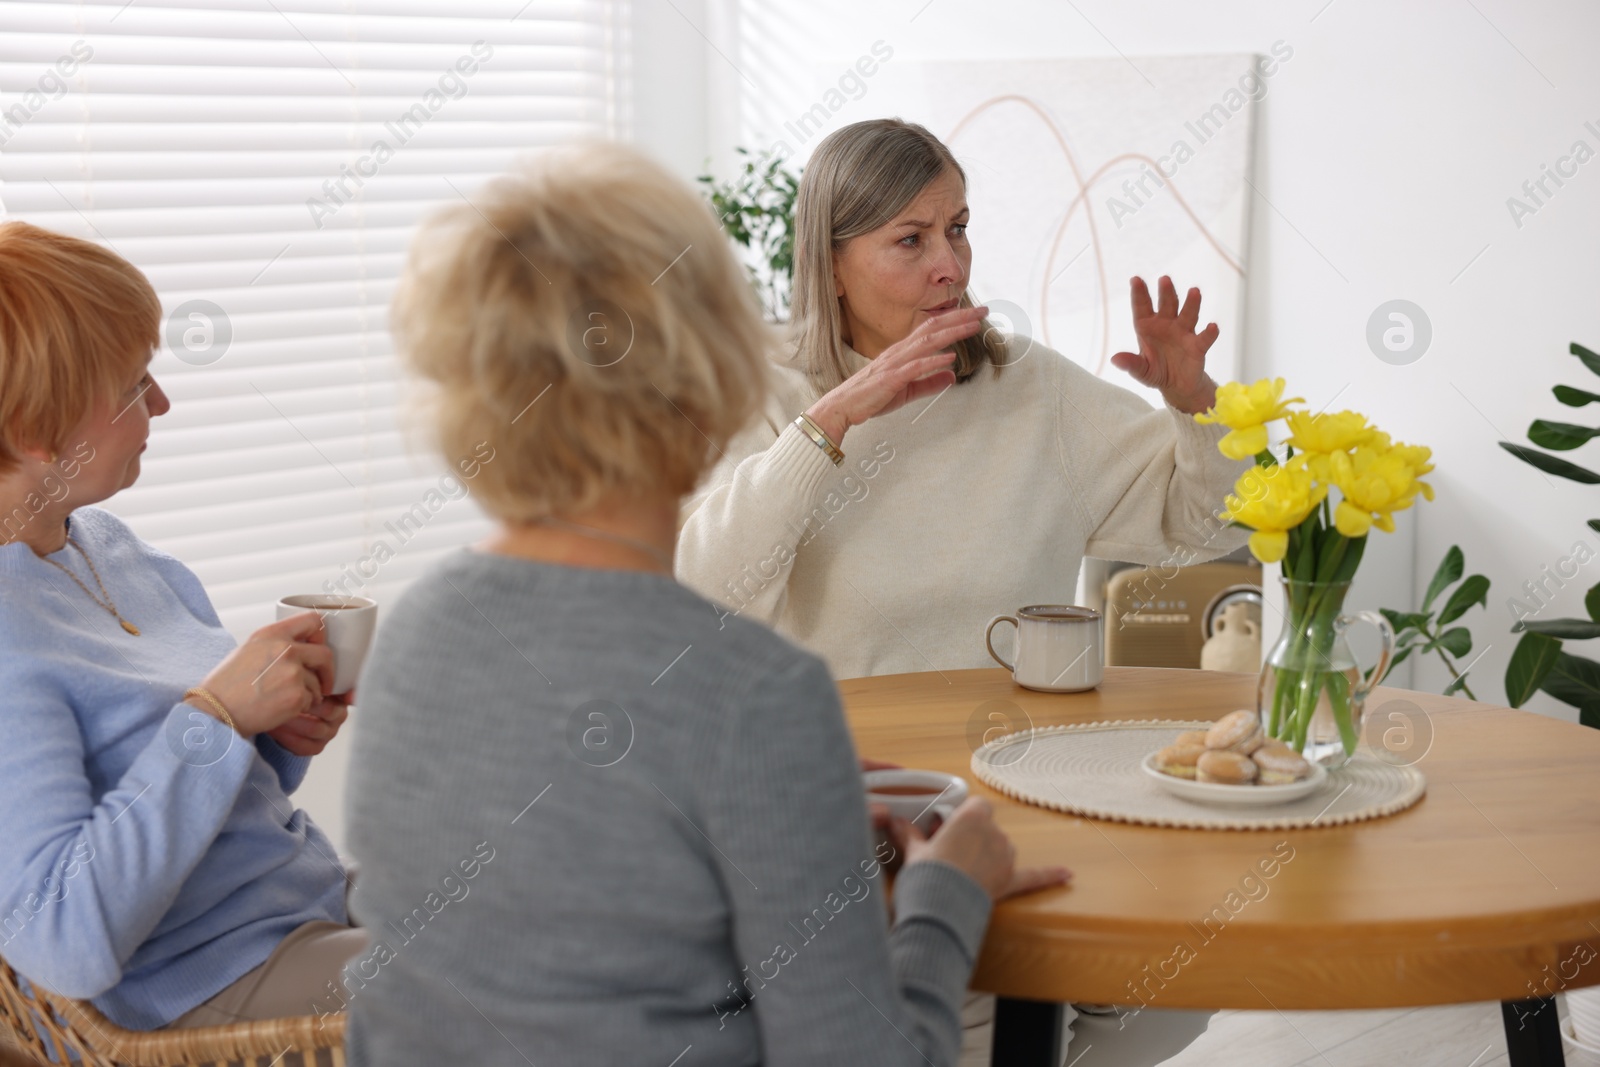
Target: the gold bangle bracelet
(819, 437)
(210, 698)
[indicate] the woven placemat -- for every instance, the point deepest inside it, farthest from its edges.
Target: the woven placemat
(1093, 770)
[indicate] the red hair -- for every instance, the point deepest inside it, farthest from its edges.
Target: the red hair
(76, 320)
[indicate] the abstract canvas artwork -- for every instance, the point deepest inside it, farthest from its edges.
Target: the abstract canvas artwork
(1084, 172)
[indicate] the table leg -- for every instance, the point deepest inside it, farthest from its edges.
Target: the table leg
(1533, 1032)
(1027, 1033)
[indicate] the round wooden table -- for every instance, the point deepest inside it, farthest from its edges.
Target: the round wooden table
(1487, 889)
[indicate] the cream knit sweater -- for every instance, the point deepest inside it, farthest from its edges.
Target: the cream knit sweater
(949, 511)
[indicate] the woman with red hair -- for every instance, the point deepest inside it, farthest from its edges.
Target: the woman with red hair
(150, 857)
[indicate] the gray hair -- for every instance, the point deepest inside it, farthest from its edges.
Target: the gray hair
(859, 178)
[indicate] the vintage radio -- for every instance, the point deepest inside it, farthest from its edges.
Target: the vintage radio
(1161, 616)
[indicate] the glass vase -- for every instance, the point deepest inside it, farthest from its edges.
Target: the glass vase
(1312, 692)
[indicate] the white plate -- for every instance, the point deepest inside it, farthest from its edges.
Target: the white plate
(1237, 796)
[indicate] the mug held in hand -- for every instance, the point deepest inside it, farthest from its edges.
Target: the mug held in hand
(348, 623)
(924, 798)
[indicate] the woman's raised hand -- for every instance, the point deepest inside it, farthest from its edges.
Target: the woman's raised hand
(971, 842)
(1172, 355)
(915, 367)
(281, 671)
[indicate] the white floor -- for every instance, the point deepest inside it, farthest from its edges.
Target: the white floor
(1463, 1035)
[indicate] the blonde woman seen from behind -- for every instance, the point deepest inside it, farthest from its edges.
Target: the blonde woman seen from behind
(644, 824)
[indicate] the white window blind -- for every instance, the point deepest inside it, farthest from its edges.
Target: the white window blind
(264, 162)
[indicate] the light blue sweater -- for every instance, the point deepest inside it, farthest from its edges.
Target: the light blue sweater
(149, 856)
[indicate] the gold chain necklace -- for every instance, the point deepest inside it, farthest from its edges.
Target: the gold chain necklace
(106, 603)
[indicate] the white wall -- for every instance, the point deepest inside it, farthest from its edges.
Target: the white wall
(670, 72)
(1387, 148)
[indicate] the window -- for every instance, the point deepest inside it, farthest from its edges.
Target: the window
(264, 162)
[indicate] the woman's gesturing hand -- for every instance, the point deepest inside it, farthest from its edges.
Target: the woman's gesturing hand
(1171, 356)
(971, 842)
(915, 367)
(280, 672)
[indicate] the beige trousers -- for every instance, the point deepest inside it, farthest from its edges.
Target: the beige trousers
(288, 983)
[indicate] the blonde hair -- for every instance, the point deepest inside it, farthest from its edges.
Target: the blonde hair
(583, 316)
(859, 178)
(76, 320)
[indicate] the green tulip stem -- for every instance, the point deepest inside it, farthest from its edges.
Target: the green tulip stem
(1314, 609)
(1339, 697)
(1279, 694)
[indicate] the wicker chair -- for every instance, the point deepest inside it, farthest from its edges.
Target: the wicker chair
(55, 1028)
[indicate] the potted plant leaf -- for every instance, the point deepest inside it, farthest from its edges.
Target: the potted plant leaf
(1540, 662)
(1424, 630)
(756, 208)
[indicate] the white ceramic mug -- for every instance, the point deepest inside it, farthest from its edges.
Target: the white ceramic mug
(918, 796)
(1060, 648)
(348, 623)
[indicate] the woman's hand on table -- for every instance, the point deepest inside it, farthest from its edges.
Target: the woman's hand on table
(281, 671)
(915, 367)
(971, 842)
(309, 734)
(1172, 355)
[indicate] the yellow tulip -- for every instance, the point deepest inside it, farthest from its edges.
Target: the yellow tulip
(1377, 475)
(1417, 456)
(1242, 444)
(1351, 520)
(1245, 410)
(1269, 546)
(1328, 433)
(1272, 501)
(1329, 468)
(1377, 483)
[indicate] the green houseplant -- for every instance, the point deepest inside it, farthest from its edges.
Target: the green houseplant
(1424, 630)
(756, 208)
(1540, 662)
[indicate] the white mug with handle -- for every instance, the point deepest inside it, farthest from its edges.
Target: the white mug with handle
(1060, 647)
(920, 797)
(348, 623)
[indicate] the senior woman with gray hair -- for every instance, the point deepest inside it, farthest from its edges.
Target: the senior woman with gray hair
(596, 823)
(982, 472)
